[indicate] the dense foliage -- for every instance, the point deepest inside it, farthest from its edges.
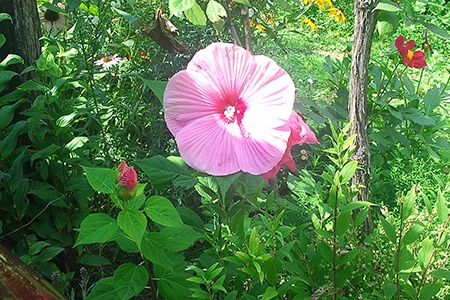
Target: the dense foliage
(68, 210)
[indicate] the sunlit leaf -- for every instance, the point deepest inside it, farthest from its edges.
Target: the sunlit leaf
(129, 280)
(162, 211)
(97, 228)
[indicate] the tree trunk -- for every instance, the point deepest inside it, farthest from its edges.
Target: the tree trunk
(365, 19)
(22, 37)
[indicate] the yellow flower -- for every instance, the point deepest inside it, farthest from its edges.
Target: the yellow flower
(311, 24)
(337, 14)
(260, 27)
(307, 2)
(321, 3)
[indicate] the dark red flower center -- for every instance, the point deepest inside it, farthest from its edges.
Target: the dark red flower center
(234, 112)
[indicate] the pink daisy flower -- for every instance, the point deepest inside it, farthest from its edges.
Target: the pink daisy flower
(229, 111)
(300, 133)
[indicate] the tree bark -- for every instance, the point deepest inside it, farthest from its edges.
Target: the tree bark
(365, 19)
(22, 37)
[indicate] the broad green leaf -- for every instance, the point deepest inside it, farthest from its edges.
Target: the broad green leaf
(387, 24)
(215, 11)
(348, 171)
(153, 249)
(430, 290)
(8, 144)
(126, 243)
(388, 230)
(174, 286)
(5, 16)
(387, 5)
(97, 228)
(37, 247)
(178, 238)
(441, 207)
(163, 172)
(196, 15)
(48, 253)
(130, 280)
(5, 78)
(103, 290)
(162, 211)
(102, 180)
(7, 114)
(158, 87)
(412, 234)
(325, 251)
(11, 59)
(354, 205)
(441, 273)
(76, 142)
(224, 182)
(432, 99)
(178, 6)
(348, 256)
(2, 40)
(270, 293)
(44, 153)
(425, 252)
(408, 203)
(133, 223)
(343, 222)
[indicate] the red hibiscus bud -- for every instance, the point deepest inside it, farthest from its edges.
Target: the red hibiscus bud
(127, 185)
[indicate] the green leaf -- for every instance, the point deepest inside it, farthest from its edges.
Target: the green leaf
(153, 249)
(388, 230)
(270, 293)
(432, 99)
(48, 254)
(441, 273)
(162, 211)
(355, 204)
(196, 15)
(441, 207)
(133, 223)
(102, 180)
(343, 222)
(436, 30)
(7, 114)
(387, 24)
(348, 171)
(387, 5)
(430, 290)
(97, 228)
(348, 256)
(158, 87)
(129, 280)
(5, 78)
(412, 234)
(5, 16)
(174, 286)
(177, 6)
(225, 182)
(215, 11)
(425, 252)
(103, 290)
(178, 238)
(325, 251)
(163, 172)
(37, 247)
(76, 142)
(44, 153)
(11, 59)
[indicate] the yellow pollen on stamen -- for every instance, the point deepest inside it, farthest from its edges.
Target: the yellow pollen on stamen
(409, 55)
(107, 58)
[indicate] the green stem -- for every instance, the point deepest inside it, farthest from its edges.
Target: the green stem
(420, 80)
(397, 277)
(335, 215)
(388, 82)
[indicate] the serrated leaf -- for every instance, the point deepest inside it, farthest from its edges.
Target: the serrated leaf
(153, 249)
(215, 11)
(133, 223)
(162, 211)
(97, 228)
(129, 280)
(178, 238)
(102, 180)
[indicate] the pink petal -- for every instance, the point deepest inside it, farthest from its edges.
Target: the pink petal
(194, 103)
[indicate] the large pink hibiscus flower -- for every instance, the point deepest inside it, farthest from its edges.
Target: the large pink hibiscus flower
(229, 111)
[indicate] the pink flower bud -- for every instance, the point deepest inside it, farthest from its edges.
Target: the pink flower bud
(128, 178)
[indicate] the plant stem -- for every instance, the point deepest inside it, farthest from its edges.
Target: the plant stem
(335, 215)
(420, 80)
(397, 279)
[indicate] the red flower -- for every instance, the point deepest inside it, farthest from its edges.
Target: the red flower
(411, 59)
(128, 178)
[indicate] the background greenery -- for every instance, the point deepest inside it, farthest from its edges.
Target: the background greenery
(234, 237)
